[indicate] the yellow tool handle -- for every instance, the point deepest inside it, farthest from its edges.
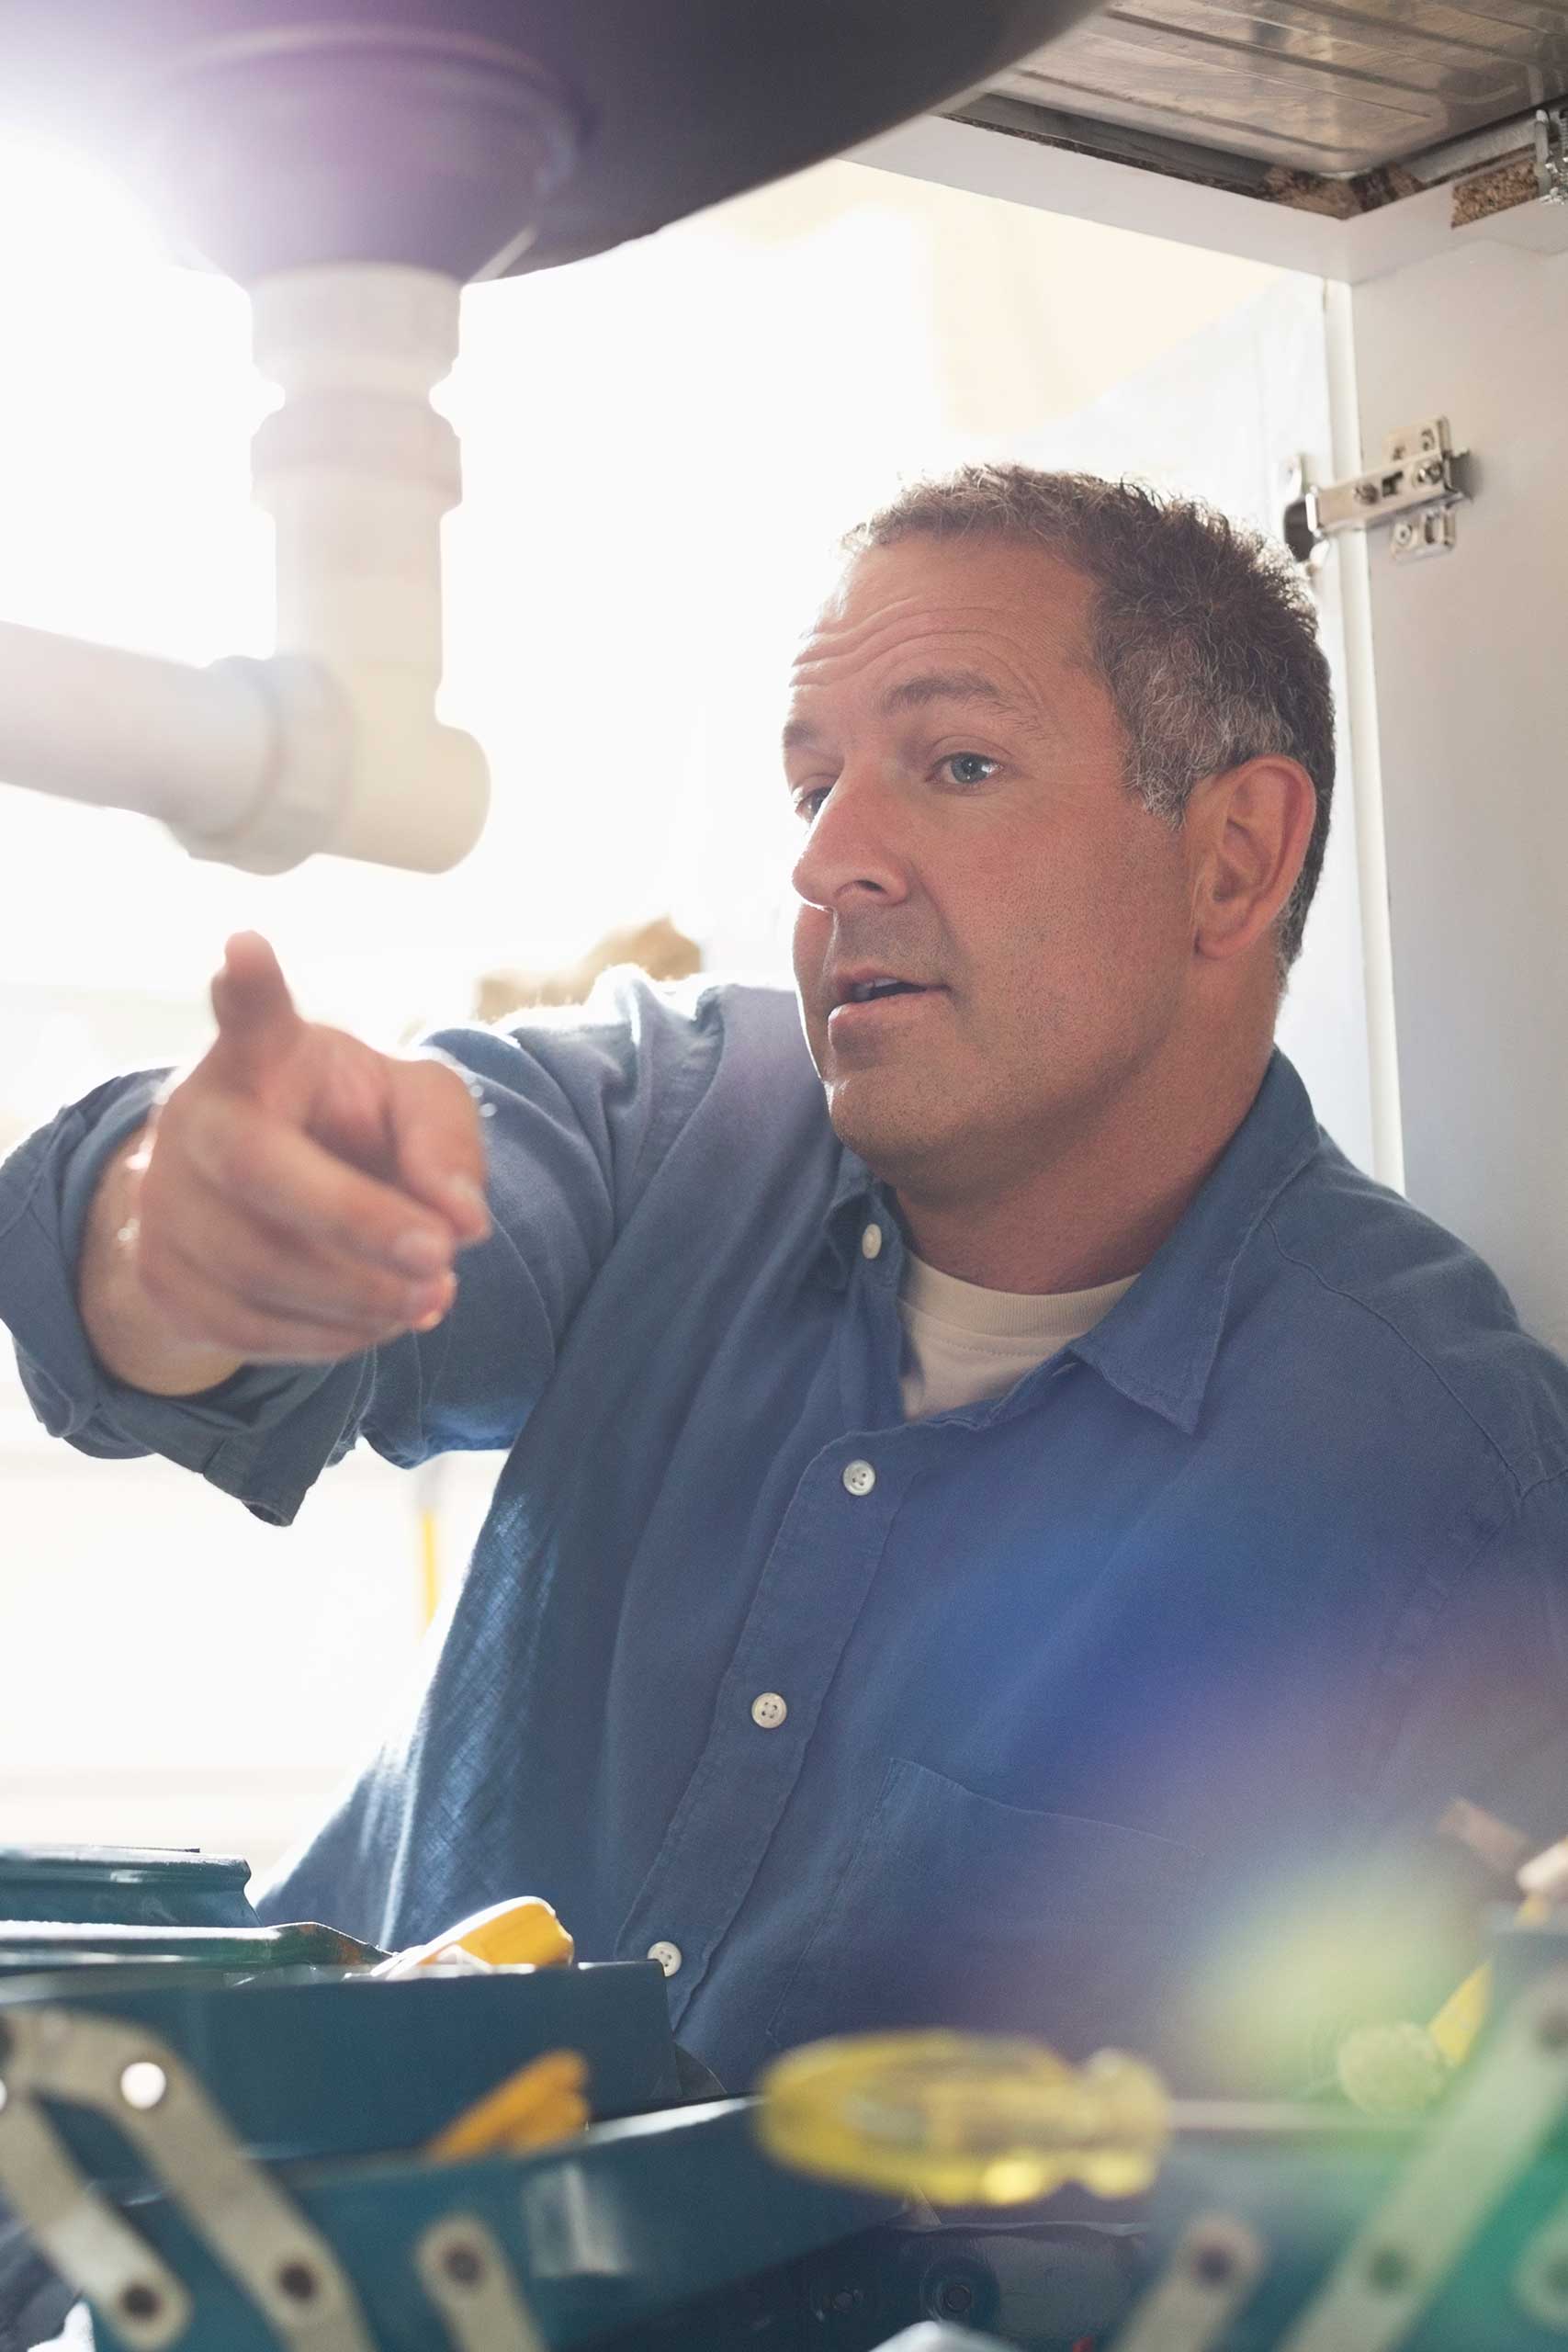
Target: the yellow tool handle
(964, 2119)
(522, 1932)
(545, 2100)
(1402, 2068)
(1463, 2015)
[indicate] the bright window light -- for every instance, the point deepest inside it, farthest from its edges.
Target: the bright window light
(660, 448)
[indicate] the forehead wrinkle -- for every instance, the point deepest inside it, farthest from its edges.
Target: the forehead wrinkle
(928, 690)
(836, 645)
(932, 686)
(835, 638)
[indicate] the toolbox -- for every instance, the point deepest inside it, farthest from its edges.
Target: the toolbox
(227, 2147)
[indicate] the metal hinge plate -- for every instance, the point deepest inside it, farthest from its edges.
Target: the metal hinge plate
(1421, 480)
(1551, 154)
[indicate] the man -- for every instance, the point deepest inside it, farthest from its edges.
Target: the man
(1004, 1527)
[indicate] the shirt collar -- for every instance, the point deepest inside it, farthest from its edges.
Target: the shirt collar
(1157, 1344)
(855, 1194)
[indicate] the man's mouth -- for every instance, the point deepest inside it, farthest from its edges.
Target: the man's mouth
(869, 999)
(866, 992)
(870, 984)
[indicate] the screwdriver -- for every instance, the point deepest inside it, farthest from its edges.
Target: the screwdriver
(964, 2119)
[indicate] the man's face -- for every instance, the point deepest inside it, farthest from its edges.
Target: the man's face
(960, 771)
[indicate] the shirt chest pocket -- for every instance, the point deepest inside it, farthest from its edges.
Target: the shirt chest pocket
(955, 1909)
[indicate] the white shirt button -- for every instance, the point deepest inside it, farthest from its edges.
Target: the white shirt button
(768, 1711)
(669, 1956)
(859, 1478)
(871, 1242)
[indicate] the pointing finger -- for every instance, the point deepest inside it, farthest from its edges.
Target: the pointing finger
(257, 1018)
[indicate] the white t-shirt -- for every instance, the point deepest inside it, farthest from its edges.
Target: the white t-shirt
(963, 1343)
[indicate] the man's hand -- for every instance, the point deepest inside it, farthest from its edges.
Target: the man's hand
(296, 1198)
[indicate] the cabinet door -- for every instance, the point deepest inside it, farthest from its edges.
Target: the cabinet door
(1473, 750)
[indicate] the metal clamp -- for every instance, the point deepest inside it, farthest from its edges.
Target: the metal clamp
(135, 2079)
(1213, 2268)
(1551, 154)
(1421, 481)
(1495, 2121)
(1376, 2293)
(469, 2281)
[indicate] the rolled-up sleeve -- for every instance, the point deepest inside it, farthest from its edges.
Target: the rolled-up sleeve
(578, 1108)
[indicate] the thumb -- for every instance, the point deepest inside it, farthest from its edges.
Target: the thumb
(258, 1024)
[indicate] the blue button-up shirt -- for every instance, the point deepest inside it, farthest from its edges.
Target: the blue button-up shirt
(1114, 1709)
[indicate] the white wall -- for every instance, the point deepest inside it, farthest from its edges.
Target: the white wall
(1470, 655)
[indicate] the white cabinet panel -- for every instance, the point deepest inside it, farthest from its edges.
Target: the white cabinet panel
(1472, 655)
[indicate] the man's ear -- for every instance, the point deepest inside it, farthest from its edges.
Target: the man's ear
(1247, 834)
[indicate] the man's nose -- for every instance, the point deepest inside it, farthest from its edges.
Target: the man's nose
(855, 846)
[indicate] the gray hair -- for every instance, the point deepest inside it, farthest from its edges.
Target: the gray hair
(1205, 635)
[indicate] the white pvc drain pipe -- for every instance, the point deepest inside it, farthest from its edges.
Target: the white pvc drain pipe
(333, 744)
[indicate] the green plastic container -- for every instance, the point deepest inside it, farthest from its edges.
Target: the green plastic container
(124, 1886)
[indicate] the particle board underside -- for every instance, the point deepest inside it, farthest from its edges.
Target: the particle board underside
(1313, 88)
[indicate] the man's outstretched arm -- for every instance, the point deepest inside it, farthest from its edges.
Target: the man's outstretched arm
(264, 1231)
(296, 1198)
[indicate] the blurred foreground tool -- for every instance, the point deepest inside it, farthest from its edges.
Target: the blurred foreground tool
(1402, 2068)
(964, 2119)
(30, 1945)
(521, 1933)
(545, 2100)
(1543, 1883)
(1392, 2069)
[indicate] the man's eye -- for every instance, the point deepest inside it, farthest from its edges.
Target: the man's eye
(807, 803)
(970, 767)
